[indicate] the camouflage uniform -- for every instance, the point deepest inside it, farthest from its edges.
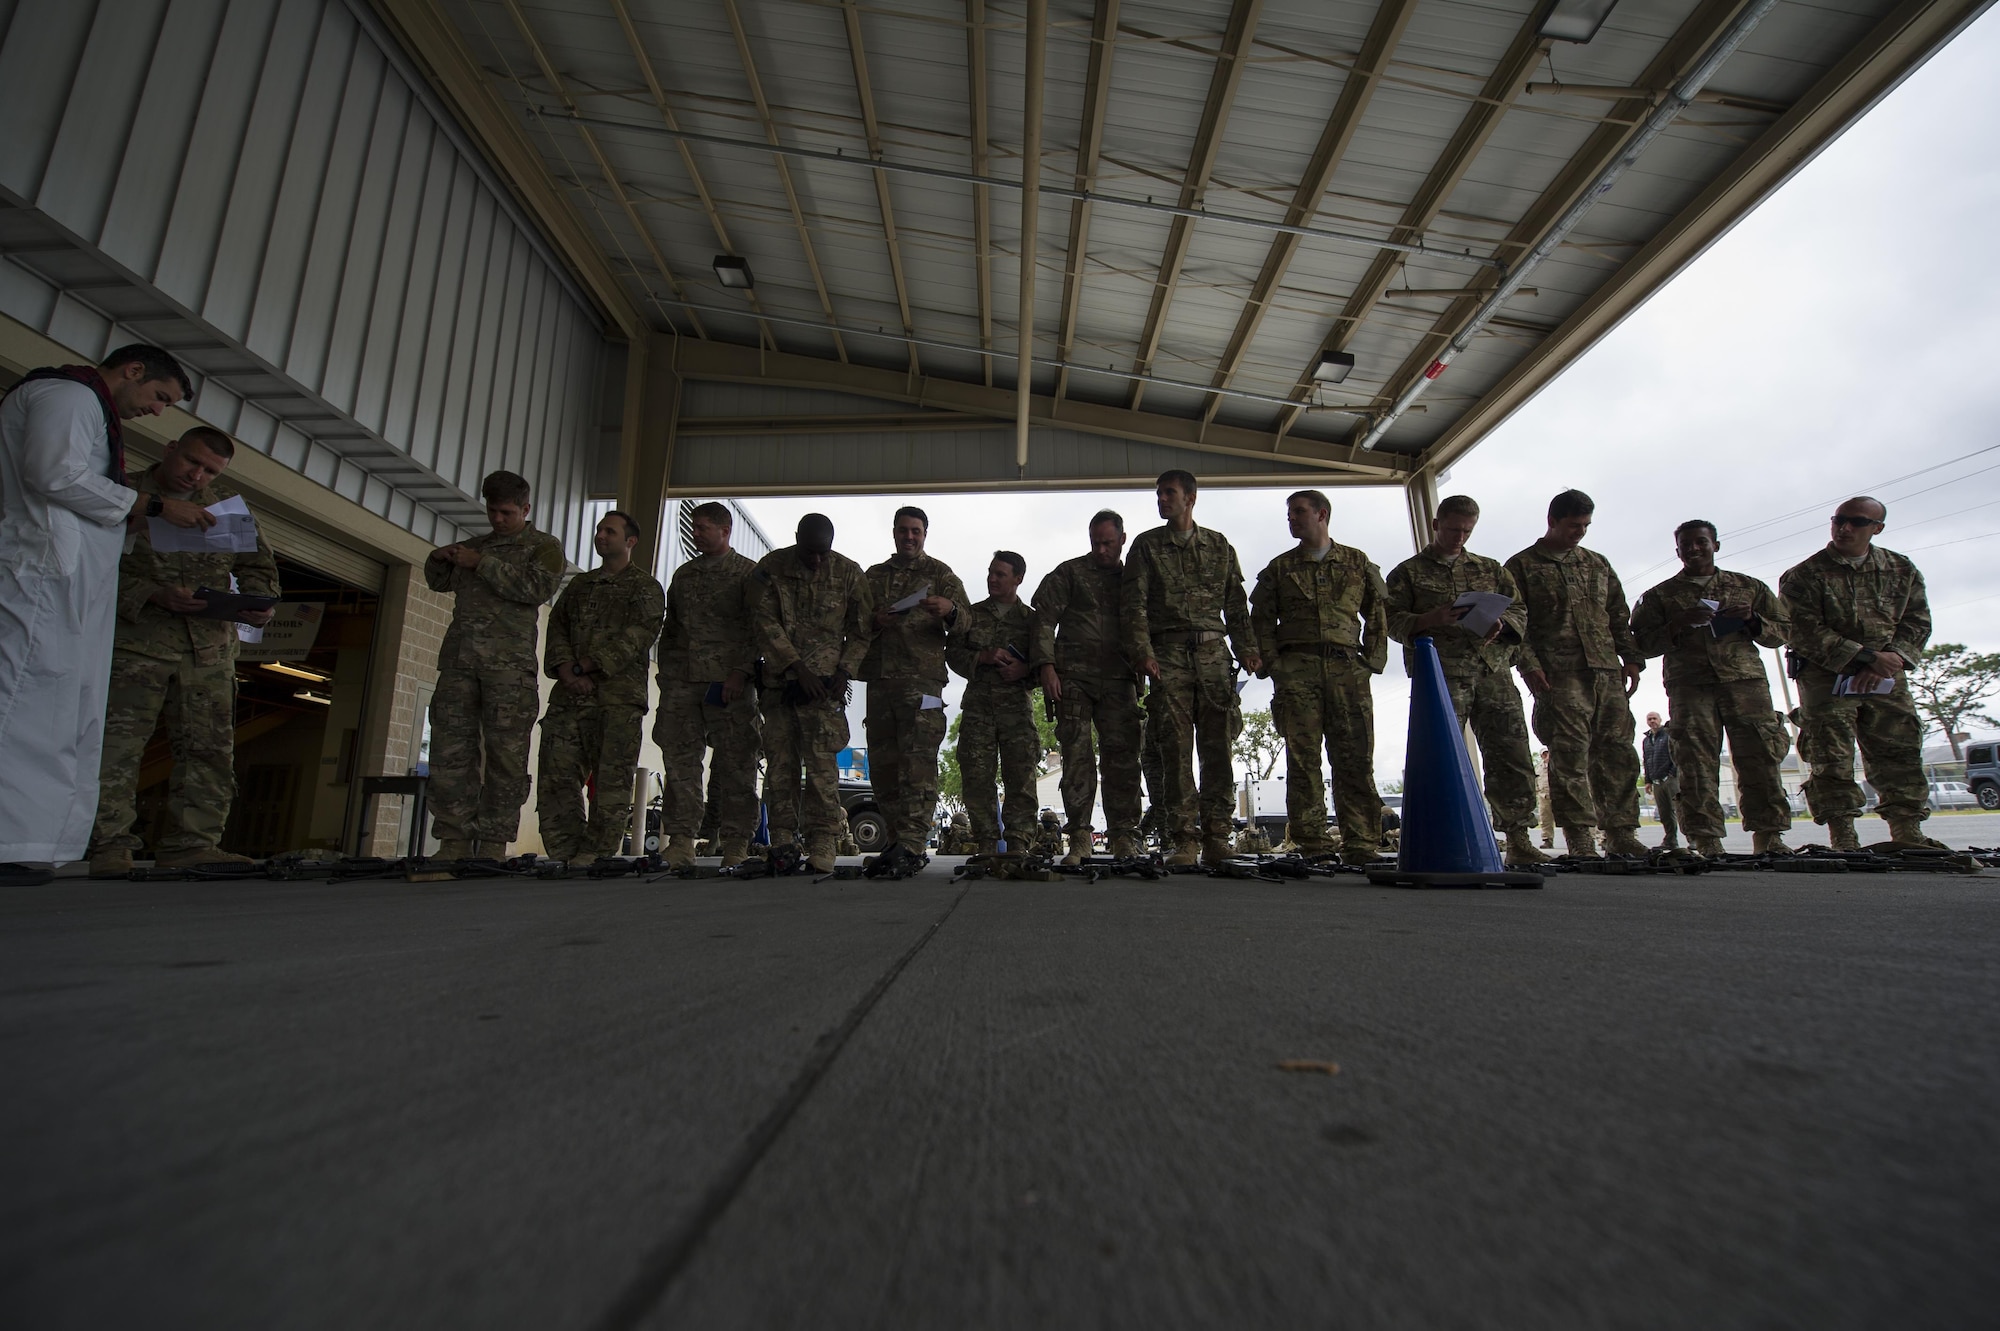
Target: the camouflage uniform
(819, 622)
(1321, 629)
(1476, 673)
(483, 712)
(1579, 633)
(1837, 609)
(1176, 596)
(707, 637)
(905, 662)
(1717, 685)
(998, 724)
(184, 667)
(1076, 607)
(611, 620)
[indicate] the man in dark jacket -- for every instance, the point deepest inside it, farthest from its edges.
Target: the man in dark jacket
(1662, 782)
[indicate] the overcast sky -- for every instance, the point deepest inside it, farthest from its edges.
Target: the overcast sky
(1840, 340)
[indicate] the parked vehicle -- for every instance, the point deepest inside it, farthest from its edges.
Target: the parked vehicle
(865, 822)
(1953, 795)
(1982, 774)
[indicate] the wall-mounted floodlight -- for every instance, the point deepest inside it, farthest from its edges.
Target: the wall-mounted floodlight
(1333, 367)
(732, 271)
(1576, 20)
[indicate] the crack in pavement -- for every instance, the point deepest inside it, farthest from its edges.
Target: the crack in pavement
(665, 1263)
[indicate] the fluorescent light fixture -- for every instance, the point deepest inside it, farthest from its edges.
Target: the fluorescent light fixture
(1576, 20)
(297, 672)
(1333, 366)
(307, 695)
(732, 271)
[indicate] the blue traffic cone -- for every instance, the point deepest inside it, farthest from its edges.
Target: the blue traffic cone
(1447, 838)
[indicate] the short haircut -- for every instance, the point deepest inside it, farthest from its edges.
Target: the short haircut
(1692, 523)
(816, 522)
(632, 529)
(212, 439)
(1013, 561)
(505, 487)
(1870, 499)
(1313, 497)
(1184, 479)
(911, 511)
(1106, 515)
(1462, 505)
(1571, 504)
(157, 362)
(714, 511)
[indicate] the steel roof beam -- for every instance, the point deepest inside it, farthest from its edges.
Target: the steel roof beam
(1036, 66)
(1450, 168)
(770, 125)
(982, 202)
(864, 89)
(1365, 76)
(1089, 144)
(1222, 86)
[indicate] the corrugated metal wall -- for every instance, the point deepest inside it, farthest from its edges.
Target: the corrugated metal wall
(264, 187)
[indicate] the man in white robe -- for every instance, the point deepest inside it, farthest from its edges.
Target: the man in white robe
(64, 506)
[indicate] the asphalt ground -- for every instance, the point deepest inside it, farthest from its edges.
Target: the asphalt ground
(1732, 1100)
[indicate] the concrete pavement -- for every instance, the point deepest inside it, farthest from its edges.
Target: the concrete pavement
(1731, 1100)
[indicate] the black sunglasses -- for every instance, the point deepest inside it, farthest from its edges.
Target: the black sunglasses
(1846, 520)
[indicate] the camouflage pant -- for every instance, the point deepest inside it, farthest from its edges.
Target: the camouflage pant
(1195, 708)
(1701, 715)
(1491, 705)
(481, 722)
(684, 727)
(580, 742)
(199, 705)
(1154, 769)
(802, 767)
(1110, 707)
(998, 728)
(1585, 722)
(1891, 740)
(1327, 701)
(903, 741)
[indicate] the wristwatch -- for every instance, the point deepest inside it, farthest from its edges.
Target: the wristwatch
(155, 506)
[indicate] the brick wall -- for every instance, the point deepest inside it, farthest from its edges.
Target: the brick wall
(408, 632)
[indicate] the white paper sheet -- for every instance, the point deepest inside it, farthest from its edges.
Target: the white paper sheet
(1483, 611)
(912, 601)
(234, 532)
(930, 704)
(1843, 687)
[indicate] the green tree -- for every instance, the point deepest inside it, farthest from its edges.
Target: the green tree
(1949, 685)
(1260, 745)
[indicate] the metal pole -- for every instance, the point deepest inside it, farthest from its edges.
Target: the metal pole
(1031, 205)
(1662, 116)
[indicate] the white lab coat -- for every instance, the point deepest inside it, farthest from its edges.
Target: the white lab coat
(62, 529)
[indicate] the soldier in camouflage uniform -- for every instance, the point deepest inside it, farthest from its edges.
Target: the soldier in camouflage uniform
(1084, 672)
(483, 713)
(906, 664)
(1477, 669)
(707, 702)
(1182, 585)
(1859, 610)
(599, 636)
(811, 625)
(165, 660)
(998, 724)
(1715, 684)
(1582, 666)
(1319, 611)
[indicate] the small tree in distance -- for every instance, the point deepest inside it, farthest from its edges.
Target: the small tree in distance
(1949, 685)
(1260, 745)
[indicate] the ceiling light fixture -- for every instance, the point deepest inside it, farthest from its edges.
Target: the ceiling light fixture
(1576, 20)
(1333, 367)
(733, 271)
(307, 695)
(298, 672)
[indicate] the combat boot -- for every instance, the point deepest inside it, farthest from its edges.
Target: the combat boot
(1708, 847)
(583, 860)
(1840, 834)
(820, 852)
(1124, 848)
(1521, 849)
(1769, 843)
(1184, 855)
(1217, 850)
(1624, 841)
(1079, 848)
(733, 853)
(1580, 843)
(204, 857)
(111, 864)
(454, 848)
(1358, 855)
(1908, 833)
(678, 853)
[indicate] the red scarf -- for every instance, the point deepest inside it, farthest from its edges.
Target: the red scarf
(89, 377)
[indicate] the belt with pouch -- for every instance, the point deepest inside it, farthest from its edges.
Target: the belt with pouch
(1330, 649)
(1187, 638)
